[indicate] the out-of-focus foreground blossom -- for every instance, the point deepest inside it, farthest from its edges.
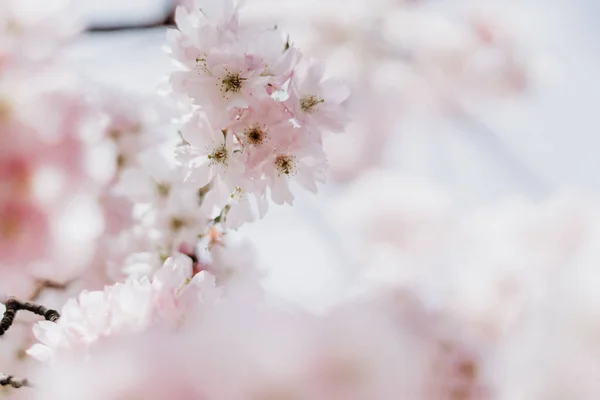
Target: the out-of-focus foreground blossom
(465, 307)
(505, 279)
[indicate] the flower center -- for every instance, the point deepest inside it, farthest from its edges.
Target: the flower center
(163, 189)
(232, 82)
(285, 164)
(255, 135)
(239, 193)
(176, 224)
(219, 155)
(309, 104)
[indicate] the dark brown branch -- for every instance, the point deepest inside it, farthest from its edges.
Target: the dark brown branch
(13, 306)
(8, 380)
(167, 21)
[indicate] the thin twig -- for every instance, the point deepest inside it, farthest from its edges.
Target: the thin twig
(43, 285)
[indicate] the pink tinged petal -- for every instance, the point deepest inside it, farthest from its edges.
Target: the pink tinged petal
(137, 185)
(280, 192)
(240, 213)
(135, 297)
(76, 333)
(91, 299)
(332, 118)
(307, 181)
(179, 50)
(263, 205)
(201, 289)
(191, 84)
(200, 174)
(335, 91)
(307, 82)
(218, 196)
(269, 43)
(205, 285)
(157, 165)
(49, 333)
(182, 19)
(174, 272)
(315, 71)
(179, 80)
(291, 57)
(239, 100)
(40, 352)
(198, 133)
(174, 35)
(71, 310)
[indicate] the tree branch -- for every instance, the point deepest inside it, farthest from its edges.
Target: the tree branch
(12, 307)
(8, 380)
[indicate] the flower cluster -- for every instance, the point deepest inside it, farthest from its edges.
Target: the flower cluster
(260, 110)
(125, 308)
(250, 114)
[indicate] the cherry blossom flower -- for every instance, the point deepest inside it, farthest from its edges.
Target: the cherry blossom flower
(318, 102)
(248, 203)
(232, 261)
(295, 158)
(195, 37)
(216, 161)
(223, 81)
(258, 126)
(276, 54)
